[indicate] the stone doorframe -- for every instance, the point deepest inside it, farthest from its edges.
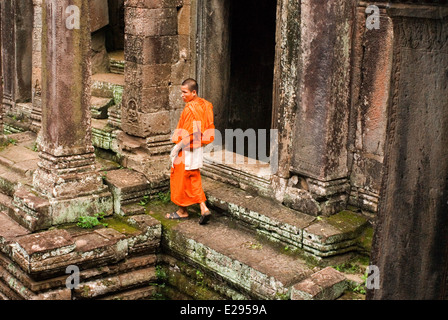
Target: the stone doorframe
(212, 44)
(311, 96)
(170, 40)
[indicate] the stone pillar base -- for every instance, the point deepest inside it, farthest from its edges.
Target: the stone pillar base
(62, 177)
(149, 156)
(36, 212)
(364, 199)
(316, 197)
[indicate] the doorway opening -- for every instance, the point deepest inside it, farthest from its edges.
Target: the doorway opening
(235, 70)
(252, 54)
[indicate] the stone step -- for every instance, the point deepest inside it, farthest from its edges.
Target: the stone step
(6, 203)
(9, 231)
(10, 179)
(46, 255)
(99, 107)
(222, 260)
(322, 237)
(128, 187)
(257, 269)
(117, 62)
(19, 159)
(239, 171)
(104, 136)
(108, 85)
(326, 284)
(114, 117)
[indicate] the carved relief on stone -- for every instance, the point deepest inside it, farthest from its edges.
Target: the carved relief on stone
(130, 116)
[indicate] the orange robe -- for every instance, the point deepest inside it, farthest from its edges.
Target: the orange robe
(186, 185)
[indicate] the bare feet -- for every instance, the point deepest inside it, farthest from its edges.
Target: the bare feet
(204, 209)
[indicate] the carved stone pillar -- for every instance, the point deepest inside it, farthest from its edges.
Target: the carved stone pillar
(286, 84)
(66, 174)
(410, 245)
(17, 20)
(36, 78)
(319, 141)
(151, 49)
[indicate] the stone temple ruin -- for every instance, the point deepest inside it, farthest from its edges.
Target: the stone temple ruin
(356, 92)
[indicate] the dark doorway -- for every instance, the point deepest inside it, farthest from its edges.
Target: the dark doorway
(115, 30)
(252, 52)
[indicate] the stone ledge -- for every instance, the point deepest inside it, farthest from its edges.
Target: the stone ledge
(113, 284)
(107, 281)
(323, 236)
(236, 257)
(46, 254)
(128, 187)
(36, 212)
(326, 284)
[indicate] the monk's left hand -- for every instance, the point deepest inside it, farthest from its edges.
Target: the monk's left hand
(174, 153)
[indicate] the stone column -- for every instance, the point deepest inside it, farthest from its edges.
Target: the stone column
(17, 19)
(372, 64)
(66, 173)
(319, 141)
(410, 245)
(36, 78)
(286, 85)
(151, 44)
(1, 77)
(151, 49)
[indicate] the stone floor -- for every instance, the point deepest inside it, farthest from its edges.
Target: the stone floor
(253, 248)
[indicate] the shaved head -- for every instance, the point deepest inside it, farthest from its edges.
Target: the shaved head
(191, 84)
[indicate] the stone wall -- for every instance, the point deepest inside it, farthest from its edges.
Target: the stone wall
(410, 240)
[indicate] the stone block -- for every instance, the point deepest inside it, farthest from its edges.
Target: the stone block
(146, 124)
(156, 166)
(148, 241)
(112, 284)
(60, 294)
(180, 72)
(108, 85)
(151, 50)
(104, 135)
(184, 20)
(336, 234)
(30, 251)
(146, 101)
(322, 117)
(99, 14)
(99, 107)
(327, 284)
(154, 4)
(146, 76)
(37, 212)
(9, 231)
(127, 186)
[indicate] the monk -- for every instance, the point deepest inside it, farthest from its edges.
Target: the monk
(186, 156)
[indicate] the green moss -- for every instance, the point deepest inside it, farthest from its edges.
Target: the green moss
(85, 291)
(159, 209)
(121, 226)
(346, 220)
